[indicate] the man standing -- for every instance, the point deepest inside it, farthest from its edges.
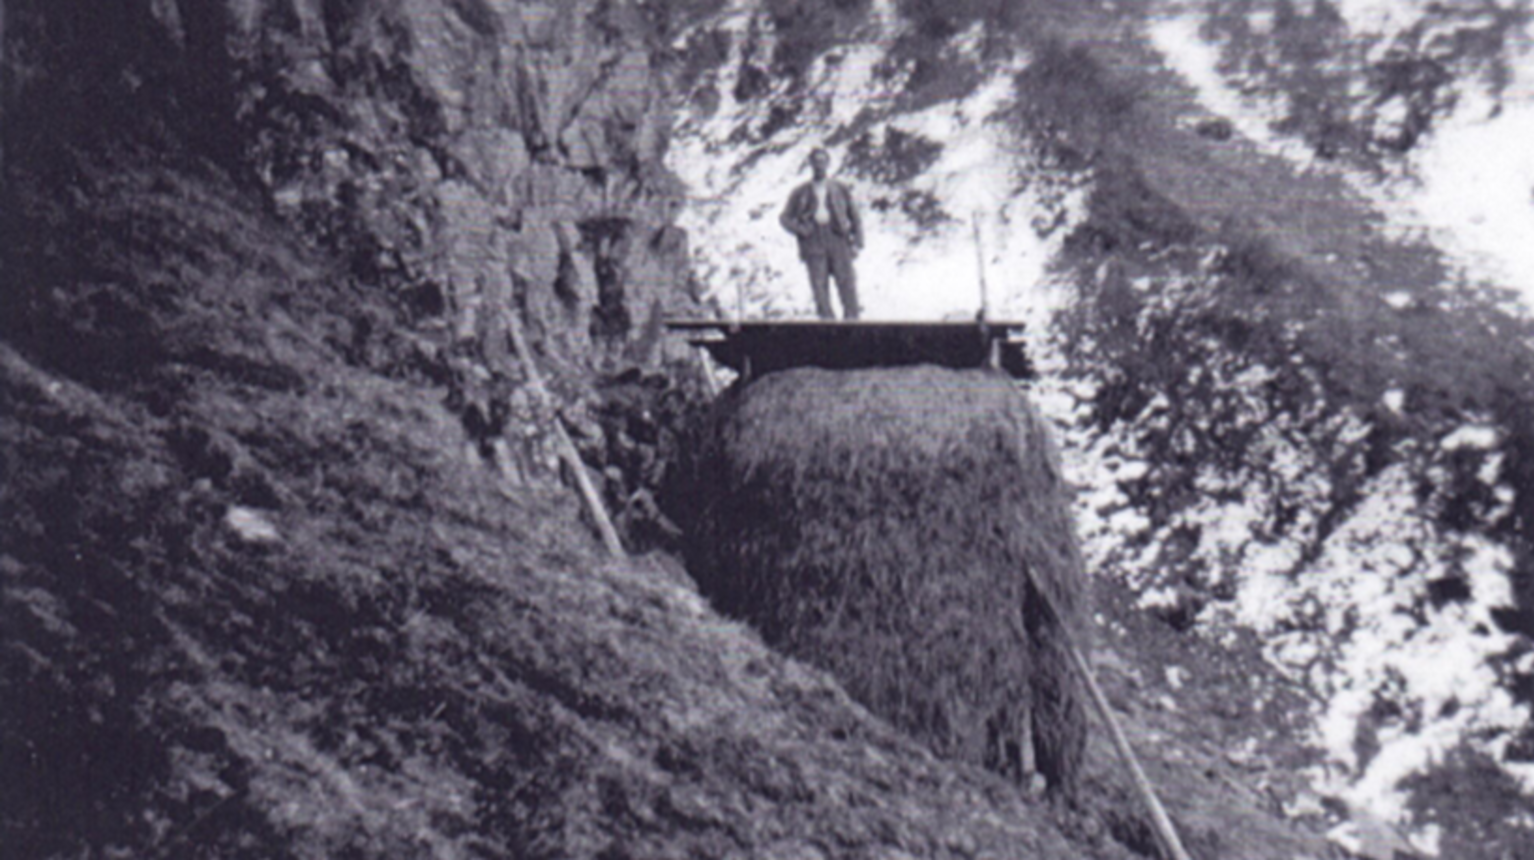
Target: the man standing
(821, 213)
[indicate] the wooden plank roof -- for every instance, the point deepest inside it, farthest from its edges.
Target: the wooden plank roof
(755, 347)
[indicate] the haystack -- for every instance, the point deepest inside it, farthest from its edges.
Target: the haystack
(880, 524)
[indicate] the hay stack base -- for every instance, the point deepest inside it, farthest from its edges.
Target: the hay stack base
(881, 524)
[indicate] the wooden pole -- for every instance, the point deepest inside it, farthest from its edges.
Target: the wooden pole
(974, 221)
(1166, 833)
(740, 304)
(1161, 823)
(567, 451)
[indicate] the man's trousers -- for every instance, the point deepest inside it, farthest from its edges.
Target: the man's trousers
(833, 259)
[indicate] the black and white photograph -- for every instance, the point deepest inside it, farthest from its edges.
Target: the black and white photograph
(767, 429)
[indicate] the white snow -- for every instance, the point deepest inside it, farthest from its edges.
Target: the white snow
(1474, 190)
(1471, 436)
(1154, 597)
(251, 525)
(907, 270)
(1469, 188)
(1380, 16)
(1360, 611)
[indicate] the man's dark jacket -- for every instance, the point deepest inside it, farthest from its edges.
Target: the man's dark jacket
(798, 218)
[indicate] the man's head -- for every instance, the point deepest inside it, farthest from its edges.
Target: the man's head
(820, 162)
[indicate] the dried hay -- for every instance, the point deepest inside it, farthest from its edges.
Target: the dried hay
(879, 524)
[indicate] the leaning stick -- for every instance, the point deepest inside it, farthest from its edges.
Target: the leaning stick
(567, 451)
(1166, 834)
(1161, 823)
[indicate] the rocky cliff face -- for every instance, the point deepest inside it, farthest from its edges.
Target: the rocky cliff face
(454, 160)
(437, 147)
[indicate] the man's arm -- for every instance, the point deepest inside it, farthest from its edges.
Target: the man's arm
(853, 217)
(790, 217)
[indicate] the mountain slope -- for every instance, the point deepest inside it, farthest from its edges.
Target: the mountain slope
(288, 570)
(1300, 440)
(263, 594)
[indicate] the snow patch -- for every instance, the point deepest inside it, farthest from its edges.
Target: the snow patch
(251, 525)
(1379, 16)
(1469, 188)
(926, 267)
(1471, 436)
(1473, 192)
(1404, 682)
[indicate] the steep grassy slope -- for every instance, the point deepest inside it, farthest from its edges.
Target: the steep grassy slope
(1363, 418)
(292, 620)
(1319, 435)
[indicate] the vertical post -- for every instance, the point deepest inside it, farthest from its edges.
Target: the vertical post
(974, 221)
